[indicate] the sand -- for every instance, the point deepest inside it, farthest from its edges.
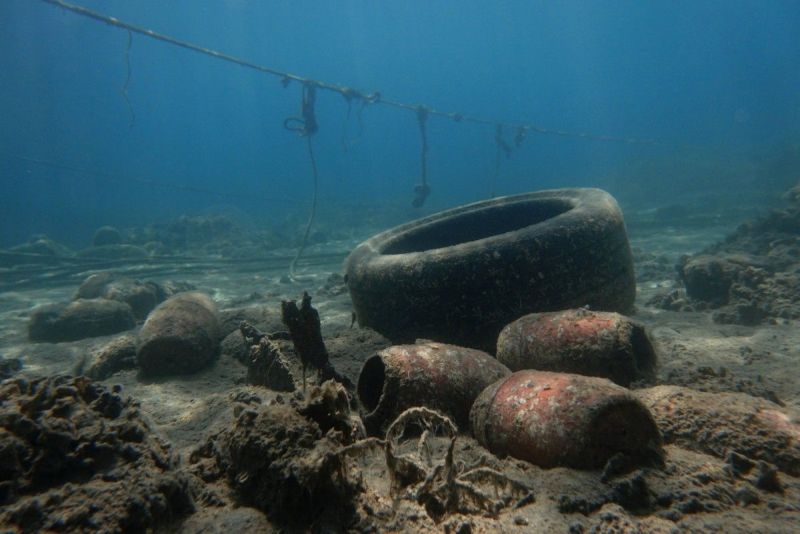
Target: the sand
(694, 491)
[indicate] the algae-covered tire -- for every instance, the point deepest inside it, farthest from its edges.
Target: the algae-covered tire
(459, 276)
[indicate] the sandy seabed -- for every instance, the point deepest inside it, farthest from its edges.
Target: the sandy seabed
(706, 485)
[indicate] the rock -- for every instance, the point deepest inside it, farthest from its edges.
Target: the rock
(79, 319)
(141, 296)
(226, 521)
(209, 232)
(280, 462)
(334, 286)
(180, 336)
(116, 355)
(768, 479)
(267, 366)
(39, 250)
(349, 348)
(793, 194)
(106, 235)
(234, 346)
(708, 278)
(76, 457)
(94, 285)
(720, 423)
(751, 277)
(42, 245)
(173, 287)
(8, 367)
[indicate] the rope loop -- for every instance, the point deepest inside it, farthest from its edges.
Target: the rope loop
(305, 125)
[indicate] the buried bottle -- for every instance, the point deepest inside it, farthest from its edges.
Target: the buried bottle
(560, 419)
(435, 375)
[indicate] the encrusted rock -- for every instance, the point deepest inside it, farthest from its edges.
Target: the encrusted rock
(180, 336)
(142, 297)
(279, 461)
(234, 346)
(79, 319)
(78, 457)
(263, 318)
(269, 367)
(116, 355)
(720, 423)
(9, 366)
(708, 278)
(106, 235)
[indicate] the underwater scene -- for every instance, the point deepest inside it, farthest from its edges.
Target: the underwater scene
(399, 266)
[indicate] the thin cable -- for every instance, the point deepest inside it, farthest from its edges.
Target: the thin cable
(311, 215)
(371, 98)
(422, 189)
(128, 80)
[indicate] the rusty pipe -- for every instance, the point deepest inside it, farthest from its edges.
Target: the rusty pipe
(560, 419)
(443, 377)
(579, 341)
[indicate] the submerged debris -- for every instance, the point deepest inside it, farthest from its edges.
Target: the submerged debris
(561, 419)
(308, 465)
(280, 461)
(305, 329)
(269, 367)
(436, 375)
(581, 341)
(78, 457)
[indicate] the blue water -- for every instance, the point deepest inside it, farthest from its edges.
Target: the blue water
(714, 82)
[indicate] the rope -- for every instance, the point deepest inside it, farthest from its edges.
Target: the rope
(128, 80)
(369, 98)
(306, 126)
(502, 147)
(422, 190)
(311, 215)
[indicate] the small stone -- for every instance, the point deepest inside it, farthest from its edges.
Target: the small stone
(180, 336)
(746, 496)
(79, 319)
(768, 478)
(737, 464)
(268, 367)
(106, 235)
(116, 355)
